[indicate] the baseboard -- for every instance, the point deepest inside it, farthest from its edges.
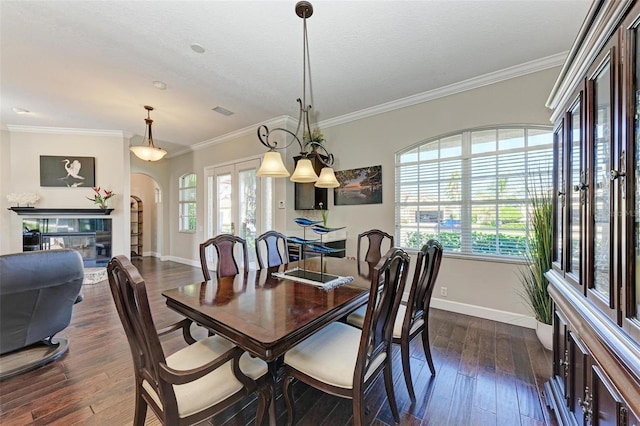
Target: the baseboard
(194, 263)
(486, 313)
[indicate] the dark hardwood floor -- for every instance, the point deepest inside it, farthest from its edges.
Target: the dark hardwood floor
(488, 373)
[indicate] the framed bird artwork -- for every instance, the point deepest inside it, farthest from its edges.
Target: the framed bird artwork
(67, 171)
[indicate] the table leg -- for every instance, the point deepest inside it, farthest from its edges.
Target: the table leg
(274, 379)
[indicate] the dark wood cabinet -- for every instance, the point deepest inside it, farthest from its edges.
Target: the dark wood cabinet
(595, 275)
(307, 196)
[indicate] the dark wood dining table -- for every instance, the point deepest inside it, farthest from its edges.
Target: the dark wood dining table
(267, 315)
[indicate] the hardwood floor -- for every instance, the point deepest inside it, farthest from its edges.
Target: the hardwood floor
(488, 373)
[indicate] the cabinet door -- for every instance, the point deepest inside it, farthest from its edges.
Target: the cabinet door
(559, 184)
(600, 209)
(627, 177)
(561, 352)
(576, 197)
(606, 407)
(579, 393)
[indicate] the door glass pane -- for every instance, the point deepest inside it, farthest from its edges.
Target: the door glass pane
(636, 174)
(575, 193)
(210, 224)
(224, 192)
(247, 208)
(601, 193)
(560, 200)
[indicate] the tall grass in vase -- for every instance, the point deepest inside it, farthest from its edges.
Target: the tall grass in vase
(539, 255)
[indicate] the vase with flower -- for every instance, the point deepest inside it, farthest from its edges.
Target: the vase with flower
(100, 197)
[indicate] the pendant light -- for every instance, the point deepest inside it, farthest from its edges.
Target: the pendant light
(148, 152)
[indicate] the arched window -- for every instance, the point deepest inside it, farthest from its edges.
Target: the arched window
(470, 190)
(187, 202)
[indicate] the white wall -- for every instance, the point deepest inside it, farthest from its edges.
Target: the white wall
(24, 147)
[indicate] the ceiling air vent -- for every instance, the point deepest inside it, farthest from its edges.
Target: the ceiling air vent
(222, 111)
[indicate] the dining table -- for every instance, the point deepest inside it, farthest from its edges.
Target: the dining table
(266, 313)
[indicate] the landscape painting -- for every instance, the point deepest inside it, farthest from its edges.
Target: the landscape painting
(72, 172)
(359, 186)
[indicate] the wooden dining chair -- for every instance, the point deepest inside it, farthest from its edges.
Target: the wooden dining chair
(194, 383)
(413, 318)
(276, 247)
(375, 238)
(227, 264)
(345, 361)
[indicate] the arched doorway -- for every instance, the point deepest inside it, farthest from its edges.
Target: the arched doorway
(148, 191)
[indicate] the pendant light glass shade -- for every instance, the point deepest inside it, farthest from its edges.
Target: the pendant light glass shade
(272, 166)
(148, 153)
(304, 172)
(327, 179)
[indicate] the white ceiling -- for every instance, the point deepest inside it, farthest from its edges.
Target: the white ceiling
(91, 64)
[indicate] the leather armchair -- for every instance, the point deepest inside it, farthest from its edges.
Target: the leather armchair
(37, 293)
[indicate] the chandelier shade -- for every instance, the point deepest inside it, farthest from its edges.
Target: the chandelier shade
(148, 152)
(327, 179)
(304, 172)
(272, 166)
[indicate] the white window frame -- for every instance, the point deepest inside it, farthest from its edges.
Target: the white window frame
(432, 205)
(187, 203)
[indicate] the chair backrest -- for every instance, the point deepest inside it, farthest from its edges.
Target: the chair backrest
(273, 241)
(224, 245)
(37, 292)
(130, 296)
(424, 280)
(387, 284)
(374, 250)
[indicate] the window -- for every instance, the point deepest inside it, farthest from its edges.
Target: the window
(187, 202)
(469, 190)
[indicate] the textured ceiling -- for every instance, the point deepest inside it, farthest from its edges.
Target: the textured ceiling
(91, 64)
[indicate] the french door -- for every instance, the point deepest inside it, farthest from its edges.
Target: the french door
(234, 205)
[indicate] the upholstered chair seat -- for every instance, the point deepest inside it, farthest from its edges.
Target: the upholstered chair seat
(316, 356)
(215, 387)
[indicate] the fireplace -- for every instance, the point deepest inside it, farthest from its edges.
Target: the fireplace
(91, 237)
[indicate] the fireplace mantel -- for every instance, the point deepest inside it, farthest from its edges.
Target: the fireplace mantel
(33, 211)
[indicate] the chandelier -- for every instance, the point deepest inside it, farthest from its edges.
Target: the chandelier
(148, 152)
(272, 165)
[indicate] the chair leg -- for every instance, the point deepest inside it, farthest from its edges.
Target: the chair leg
(406, 367)
(359, 410)
(265, 395)
(287, 392)
(427, 348)
(140, 411)
(391, 396)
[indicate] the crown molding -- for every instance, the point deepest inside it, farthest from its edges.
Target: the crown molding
(285, 121)
(452, 89)
(13, 128)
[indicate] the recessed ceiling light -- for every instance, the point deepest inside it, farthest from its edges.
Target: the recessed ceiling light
(18, 110)
(197, 48)
(161, 85)
(222, 111)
